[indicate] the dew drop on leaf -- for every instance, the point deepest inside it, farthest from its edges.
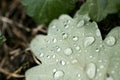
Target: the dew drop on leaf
(58, 74)
(62, 62)
(81, 23)
(91, 70)
(88, 41)
(68, 51)
(54, 40)
(77, 48)
(75, 38)
(110, 41)
(64, 35)
(41, 54)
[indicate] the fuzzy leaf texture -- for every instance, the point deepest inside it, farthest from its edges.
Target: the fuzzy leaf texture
(74, 50)
(99, 9)
(43, 11)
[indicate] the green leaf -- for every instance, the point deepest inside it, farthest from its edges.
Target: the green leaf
(99, 9)
(2, 39)
(43, 11)
(74, 50)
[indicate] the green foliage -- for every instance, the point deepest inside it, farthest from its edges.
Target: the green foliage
(2, 39)
(99, 9)
(74, 50)
(43, 11)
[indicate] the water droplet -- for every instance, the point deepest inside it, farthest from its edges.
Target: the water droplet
(53, 26)
(74, 61)
(62, 62)
(58, 49)
(110, 41)
(91, 70)
(54, 40)
(109, 78)
(77, 48)
(98, 32)
(81, 23)
(53, 56)
(68, 51)
(75, 38)
(58, 74)
(97, 50)
(64, 35)
(48, 56)
(54, 70)
(89, 41)
(79, 75)
(41, 54)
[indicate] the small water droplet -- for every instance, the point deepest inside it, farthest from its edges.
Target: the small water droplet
(97, 50)
(110, 41)
(53, 26)
(64, 35)
(48, 56)
(58, 49)
(77, 48)
(54, 40)
(54, 70)
(79, 75)
(74, 61)
(58, 74)
(62, 62)
(89, 41)
(98, 32)
(68, 51)
(41, 54)
(81, 23)
(91, 70)
(75, 38)
(53, 56)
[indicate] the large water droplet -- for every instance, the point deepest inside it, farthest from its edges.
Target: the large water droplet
(68, 51)
(58, 74)
(64, 35)
(110, 41)
(81, 23)
(75, 38)
(91, 70)
(88, 41)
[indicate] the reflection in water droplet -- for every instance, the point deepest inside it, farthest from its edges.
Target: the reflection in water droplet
(91, 70)
(88, 41)
(110, 41)
(64, 35)
(68, 51)
(58, 74)
(62, 62)
(75, 38)
(81, 23)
